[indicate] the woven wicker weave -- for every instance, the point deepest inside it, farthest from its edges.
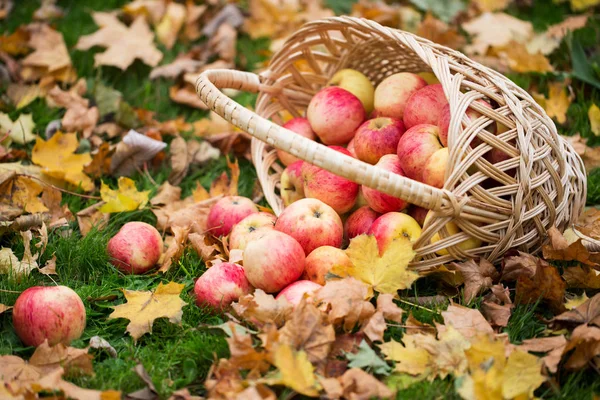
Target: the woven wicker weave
(542, 184)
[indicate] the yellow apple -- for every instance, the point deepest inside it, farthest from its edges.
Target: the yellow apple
(429, 77)
(356, 83)
(392, 226)
(453, 229)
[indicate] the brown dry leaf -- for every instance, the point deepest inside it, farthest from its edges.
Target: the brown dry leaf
(175, 250)
(186, 94)
(467, 321)
(192, 29)
(506, 29)
(17, 43)
(181, 65)
(359, 385)
(179, 160)
(589, 223)
(440, 32)
(585, 341)
(389, 309)
(91, 217)
(516, 263)
(346, 302)
(22, 193)
(478, 276)
(199, 153)
(151, 9)
(582, 277)
(587, 313)
(48, 10)
(211, 249)
(124, 44)
(496, 314)
(79, 116)
(184, 213)
(133, 151)
(166, 194)
(50, 53)
(520, 60)
(308, 330)
(589, 155)
(100, 164)
(560, 249)
(557, 103)
(50, 267)
(74, 361)
(243, 353)
(550, 40)
(374, 327)
(143, 307)
(414, 326)
(170, 24)
(492, 5)
(546, 284)
(149, 391)
(4, 308)
(554, 346)
(261, 308)
(22, 95)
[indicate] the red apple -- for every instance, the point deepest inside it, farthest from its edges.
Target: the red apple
(376, 138)
(244, 230)
(334, 114)
(321, 260)
(136, 248)
(227, 212)
(425, 106)
(418, 213)
(55, 313)
(415, 147)
(444, 122)
(292, 184)
(296, 291)
(434, 171)
(273, 260)
(360, 221)
(392, 226)
(380, 201)
(220, 285)
(312, 223)
(350, 148)
(335, 191)
(394, 91)
(302, 127)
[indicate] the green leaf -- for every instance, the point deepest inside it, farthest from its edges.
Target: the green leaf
(444, 10)
(107, 99)
(582, 67)
(367, 359)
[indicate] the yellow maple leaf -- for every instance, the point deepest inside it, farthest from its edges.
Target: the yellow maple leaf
(125, 198)
(409, 358)
(522, 375)
(520, 60)
(557, 103)
(578, 5)
(387, 273)
(485, 350)
(297, 372)
(20, 130)
(492, 5)
(22, 192)
(594, 116)
(143, 307)
(58, 160)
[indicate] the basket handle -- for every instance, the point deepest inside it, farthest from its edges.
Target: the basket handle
(443, 201)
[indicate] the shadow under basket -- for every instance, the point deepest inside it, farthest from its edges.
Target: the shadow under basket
(539, 182)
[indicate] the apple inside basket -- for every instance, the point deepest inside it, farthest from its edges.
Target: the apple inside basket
(401, 136)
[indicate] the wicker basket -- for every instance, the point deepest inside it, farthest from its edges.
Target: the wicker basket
(545, 184)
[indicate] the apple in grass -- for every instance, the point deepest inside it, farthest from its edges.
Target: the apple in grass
(434, 171)
(292, 184)
(444, 122)
(377, 137)
(53, 313)
(425, 106)
(227, 212)
(335, 114)
(415, 147)
(302, 127)
(321, 260)
(338, 192)
(220, 285)
(382, 202)
(452, 229)
(273, 260)
(394, 91)
(392, 226)
(312, 223)
(356, 83)
(295, 292)
(360, 221)
(246, 229)
(136, 248)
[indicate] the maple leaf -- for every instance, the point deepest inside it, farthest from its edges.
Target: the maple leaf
(386, 273)
(50, 53)
(244, 355)
(410, 358)
(469, 322)
(125, 198)
(79, 117)
(296, 370)
(179, 160)
(124, 44)
(20, 130)
(170, 24)
(133, 151)
(439, 32)
(58, 159)
(346, 301)
(506, 28)
(260, 308)
(22, 95)
(16, 43)
(516, 263)
(10, 264)
(175, 249)
(561, 249)
(143, 307)
(497, 306)
(554, 346)
(582, 277)
(557, 103)
(367, 359)
(91, 217)
(519, 59)
(586, 313)
(414, 326)
(546, 284)
(166, 194)
(22, 193)
(492, 5)
(477, 276)
(358, 384)
(585, 341)
(594, 116)
(100, 164)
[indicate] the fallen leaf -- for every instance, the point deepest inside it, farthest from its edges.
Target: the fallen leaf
(439, 32)
(409, 358)
(210, 249)
(149, 391)
(53, 382)
(520, 60)
(546, 284)
(124, 44)
(175, 249)
(586, 313)
(579, 5)
(516, 264)
(170, 24)
(22, 95)
(100, 164)
(554, 346)
(447, 11)
(11, 265)
(506, 29)
(125, 198)
(58, 159)
(386, 273)
(179, 160)
(260, 308)
(496, 314)
(346, 301)
(582, 277)
(166, 194)
(19, 131)
(492, 5)
(575, 301)
(547, 42)
(79, 117)
(374, 327)
(589, 155)
(467, 321)
(143, 307)
(91, 217)
(594, 116)
(585, 341)
(4, 308)
(50, 49)
(16, 43)
(557, 103)
(150, 9)
(296, 370)
(414, 326)
(358, 384)
(48, 10)
(22, 193)
(98, 343)
(243, 354)
(133, 151)
(186, 94)
(192, 29)
(179, 66)
(50, 267)
(560, 249)
(478, 276)
(74, 361)
(367, 359)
